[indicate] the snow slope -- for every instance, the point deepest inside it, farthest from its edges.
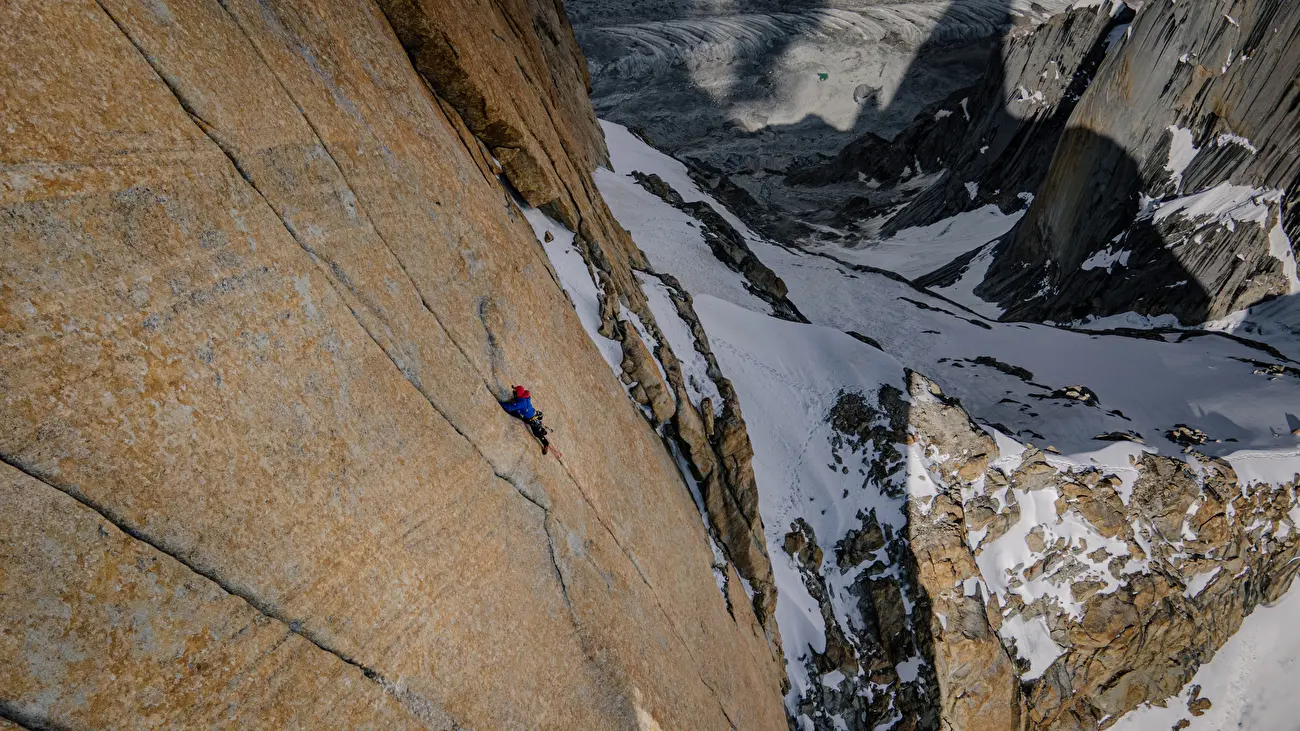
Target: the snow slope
(1010, 376)
(1275, 323)
(788, 376)
(1146, 386)
(914, 252)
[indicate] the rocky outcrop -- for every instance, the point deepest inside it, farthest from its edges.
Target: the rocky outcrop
(977, 684)
(730, 248)
(919, 648)
(1169, 191)
(875, 669)
(1162, 576)
(643, 377)
(261, 291)
(718, 453)
(1227, 552)
(1025, 591)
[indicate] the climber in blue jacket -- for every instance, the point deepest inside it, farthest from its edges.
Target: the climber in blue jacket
(521, 406)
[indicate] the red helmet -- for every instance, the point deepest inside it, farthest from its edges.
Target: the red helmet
(521, 392)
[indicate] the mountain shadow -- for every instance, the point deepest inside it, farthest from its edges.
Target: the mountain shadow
(689, 105)
(1110, 270)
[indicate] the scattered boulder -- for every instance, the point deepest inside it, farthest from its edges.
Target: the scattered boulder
(1082, 394)
(1187, 436)
(1120, 436)
(860, 544)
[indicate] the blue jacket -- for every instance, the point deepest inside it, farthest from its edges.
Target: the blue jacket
(521, 407)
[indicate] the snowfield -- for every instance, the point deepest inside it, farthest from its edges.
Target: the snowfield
(1144, 385)
(914, 252)
(1020, 381)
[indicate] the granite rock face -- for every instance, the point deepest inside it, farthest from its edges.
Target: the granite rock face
(1160, 576)
(191, 654)
(1169, 191)
(512, 72)
(515, 75)
(260, 292)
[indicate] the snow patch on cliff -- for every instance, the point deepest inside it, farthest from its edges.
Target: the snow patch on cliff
(1033, 641)
(576, 279)
(1106, 259)
(1182, 150)
(1279, 247)
(695, 370)
(1225, 203)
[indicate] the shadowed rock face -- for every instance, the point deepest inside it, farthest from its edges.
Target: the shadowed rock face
(1155, 156)
(260, 291)
(988, 143)
(515, 75)
(1180, 153)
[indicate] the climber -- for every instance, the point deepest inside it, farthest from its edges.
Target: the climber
(521, 405)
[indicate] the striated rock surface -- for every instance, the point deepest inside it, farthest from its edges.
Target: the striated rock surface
(1169, 192)
(191, 654)
(1022, 106)
(260, 292)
